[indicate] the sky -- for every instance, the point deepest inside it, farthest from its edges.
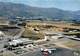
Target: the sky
(72, 5)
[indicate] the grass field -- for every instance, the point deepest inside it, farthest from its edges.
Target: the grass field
(47, 26)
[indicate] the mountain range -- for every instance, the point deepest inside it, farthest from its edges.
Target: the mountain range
(8, 9)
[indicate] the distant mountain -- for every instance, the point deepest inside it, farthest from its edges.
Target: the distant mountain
(77, 12)
(12, 10)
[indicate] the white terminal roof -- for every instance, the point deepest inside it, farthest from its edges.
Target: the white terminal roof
(15, 42)
(1, 33)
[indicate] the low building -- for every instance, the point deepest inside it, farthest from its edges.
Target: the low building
(19, 41)
(53, 35)
(1, 35)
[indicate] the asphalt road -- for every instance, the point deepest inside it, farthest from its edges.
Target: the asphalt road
(59, 52)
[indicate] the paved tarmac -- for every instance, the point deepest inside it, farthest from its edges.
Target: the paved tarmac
(59, 52)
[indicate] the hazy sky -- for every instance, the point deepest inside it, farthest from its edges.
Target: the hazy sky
(62, 4)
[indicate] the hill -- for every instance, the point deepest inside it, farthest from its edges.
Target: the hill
(13, 10)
